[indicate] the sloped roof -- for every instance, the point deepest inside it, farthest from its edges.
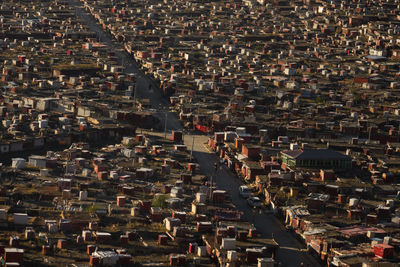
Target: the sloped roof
(322, 154)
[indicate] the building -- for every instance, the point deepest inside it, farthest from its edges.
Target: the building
(315, 158)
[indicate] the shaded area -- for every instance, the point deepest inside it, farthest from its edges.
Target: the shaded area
(143, 82)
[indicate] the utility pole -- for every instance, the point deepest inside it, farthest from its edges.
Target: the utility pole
(212, 178)
(165, 126)
(369, 134)
(211, 182)
(134, 96)
(191, 152)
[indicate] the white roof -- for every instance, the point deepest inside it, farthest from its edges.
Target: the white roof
(18, 250)
(103, 234)
(144, 170)
(105, 254)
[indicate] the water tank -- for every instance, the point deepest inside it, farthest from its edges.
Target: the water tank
(387, 240)
(44, 172)
(294, 146)
(390, 203)
(18, 163)
(232, 255)
(353, 202)
(266, 262)
(83, 195)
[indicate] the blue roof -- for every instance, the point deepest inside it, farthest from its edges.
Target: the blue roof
(374, 57)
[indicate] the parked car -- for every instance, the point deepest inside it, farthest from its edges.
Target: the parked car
(244, 191)
(254, 202)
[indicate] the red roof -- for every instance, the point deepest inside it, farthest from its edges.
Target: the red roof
(383, 246)
(360, 230)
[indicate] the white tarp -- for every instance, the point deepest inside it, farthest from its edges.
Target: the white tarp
(107, 258)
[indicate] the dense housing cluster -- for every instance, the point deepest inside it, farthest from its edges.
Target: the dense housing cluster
(302, 98)
(284, 113)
